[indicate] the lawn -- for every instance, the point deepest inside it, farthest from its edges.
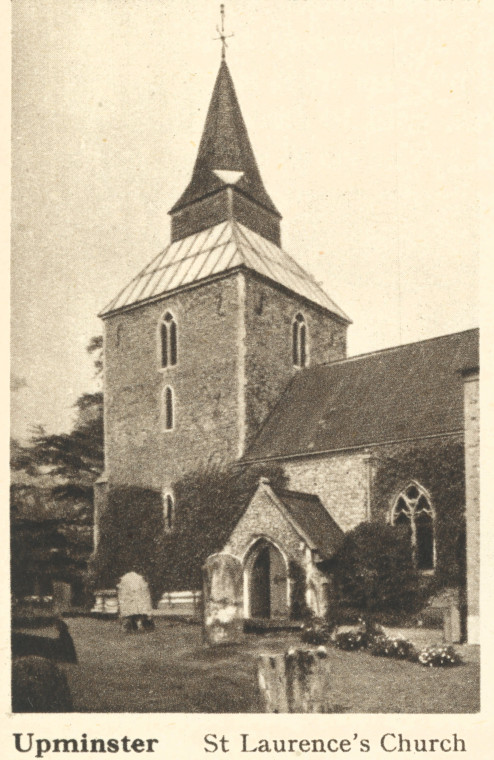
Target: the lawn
(169, 670)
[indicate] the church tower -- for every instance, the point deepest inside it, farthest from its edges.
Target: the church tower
(202, 342)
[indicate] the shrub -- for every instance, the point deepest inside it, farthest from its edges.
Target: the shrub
(316, 631)
(350, 641)
(38, 685)
(362, 638)
(397, 647)
(439, 657)
(373, 570)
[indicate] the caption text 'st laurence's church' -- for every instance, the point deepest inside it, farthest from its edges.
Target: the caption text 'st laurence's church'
(224, 347)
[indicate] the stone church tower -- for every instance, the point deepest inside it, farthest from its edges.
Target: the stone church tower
(202, 342)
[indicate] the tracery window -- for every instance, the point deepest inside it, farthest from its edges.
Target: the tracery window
(168, 340)
(299, 341)
(413, 510)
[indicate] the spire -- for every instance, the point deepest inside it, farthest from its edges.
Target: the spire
(225, 161)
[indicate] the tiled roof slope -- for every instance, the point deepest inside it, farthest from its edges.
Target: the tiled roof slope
(400, 393)
(218, 249)
(314, 520)
(225, 145)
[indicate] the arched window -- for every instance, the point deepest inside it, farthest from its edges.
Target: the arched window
(168, 340)
(413, 511)
(168, 511)
(168, 410)
(299, 341)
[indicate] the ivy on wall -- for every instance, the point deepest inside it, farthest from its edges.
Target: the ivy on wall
(438, 465)
(208, 504)
(132, 535)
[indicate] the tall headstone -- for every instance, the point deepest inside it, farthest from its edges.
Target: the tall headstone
(223, 599)
(134, 598)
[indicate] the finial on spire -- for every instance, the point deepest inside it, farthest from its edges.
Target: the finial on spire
(222, 36)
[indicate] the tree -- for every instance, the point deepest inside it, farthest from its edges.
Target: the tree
(374, 571)
(52, 492)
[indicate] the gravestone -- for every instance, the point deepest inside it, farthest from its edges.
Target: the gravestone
(134, 599)
(223, 599)
(298, 681)
(62, 596)
(447, 601)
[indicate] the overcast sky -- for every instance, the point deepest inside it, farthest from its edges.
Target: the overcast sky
(363, 116)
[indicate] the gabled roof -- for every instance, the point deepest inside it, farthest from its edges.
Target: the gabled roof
(408, 392)
(225, 147)
(219, 249)
(308, 512)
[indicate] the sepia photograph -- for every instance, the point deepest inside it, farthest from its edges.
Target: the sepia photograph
(245, 448)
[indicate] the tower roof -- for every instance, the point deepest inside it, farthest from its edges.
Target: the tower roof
(225, 155)
(215, 251)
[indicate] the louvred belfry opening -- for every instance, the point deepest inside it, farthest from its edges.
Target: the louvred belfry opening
(226, 183)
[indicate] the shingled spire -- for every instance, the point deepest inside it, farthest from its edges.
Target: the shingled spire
(226, 183)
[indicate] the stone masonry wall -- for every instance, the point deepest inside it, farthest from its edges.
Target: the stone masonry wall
(340, 480)
(263, 519)
(269, 314)
(205, 384)
(472, 508)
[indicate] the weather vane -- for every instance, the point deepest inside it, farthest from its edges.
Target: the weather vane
(222, 36)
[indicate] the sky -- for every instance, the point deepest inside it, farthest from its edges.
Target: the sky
(364, 118)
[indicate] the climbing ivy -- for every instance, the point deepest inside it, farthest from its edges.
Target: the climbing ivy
(438, 465)
(208, 504)
(132, 534)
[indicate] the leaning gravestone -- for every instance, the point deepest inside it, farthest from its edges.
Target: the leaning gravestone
(134, 599)
(223, 599)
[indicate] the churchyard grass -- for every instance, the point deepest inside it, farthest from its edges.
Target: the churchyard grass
(168, 670)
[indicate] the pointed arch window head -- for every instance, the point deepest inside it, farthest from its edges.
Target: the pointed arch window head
(168, 409)
(168, 511)
(168, 340)
(299, 341)
(412, 510)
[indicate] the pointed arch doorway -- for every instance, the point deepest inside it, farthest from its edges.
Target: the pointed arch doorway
(266, 581)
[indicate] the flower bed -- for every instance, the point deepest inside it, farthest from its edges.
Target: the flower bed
(376, 641)
(393, 646)
(439, 657)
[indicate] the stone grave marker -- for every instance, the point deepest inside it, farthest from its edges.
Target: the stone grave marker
(298, 681)
(223, 599)
(62, 596)
(134, 599)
